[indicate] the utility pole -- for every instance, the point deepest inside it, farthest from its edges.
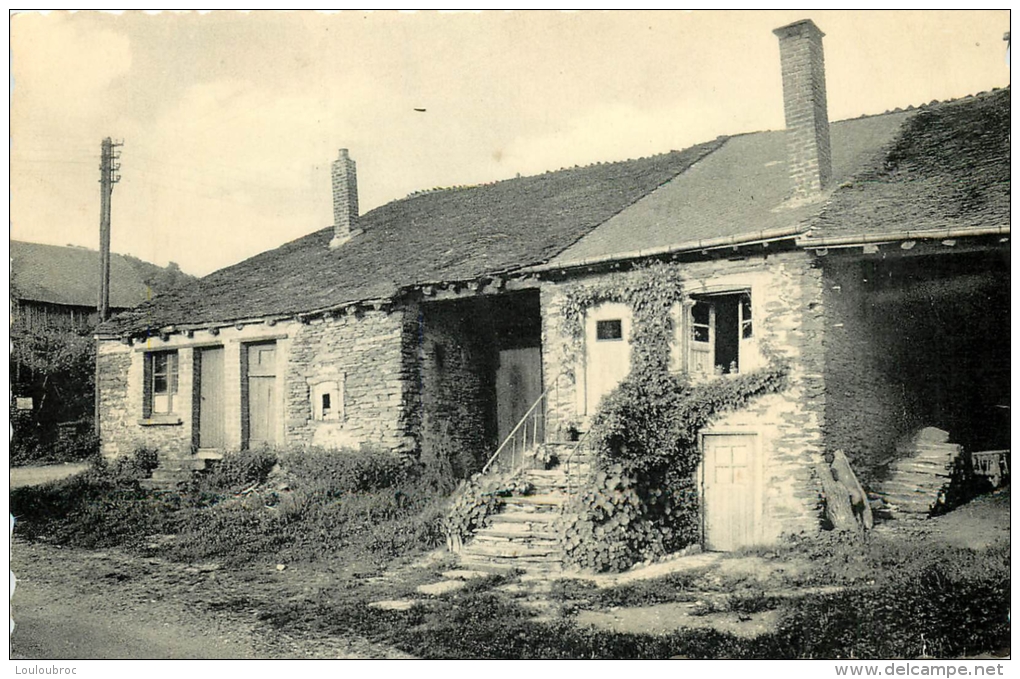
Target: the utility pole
(107, 178)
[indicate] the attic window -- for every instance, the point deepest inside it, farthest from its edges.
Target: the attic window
(609, 331)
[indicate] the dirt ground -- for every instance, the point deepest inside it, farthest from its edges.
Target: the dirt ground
(77, 604)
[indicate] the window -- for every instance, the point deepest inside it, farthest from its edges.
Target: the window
(721, 334)
(328, 401)
(160, 383)
(608, 331)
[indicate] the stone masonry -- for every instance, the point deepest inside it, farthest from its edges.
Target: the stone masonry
(787, 299)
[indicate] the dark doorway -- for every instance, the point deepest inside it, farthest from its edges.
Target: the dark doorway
(481, 372)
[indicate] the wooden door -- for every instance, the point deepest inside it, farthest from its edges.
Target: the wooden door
(702, 339)
(261, 401)
(211, 425)
(518, 386)
(731, 498)
(607, 351)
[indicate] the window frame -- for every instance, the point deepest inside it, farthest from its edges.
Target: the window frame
(604, 323)
(169, 373)
(687, 340)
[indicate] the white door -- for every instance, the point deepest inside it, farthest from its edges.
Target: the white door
(731, 501)
(607, 350)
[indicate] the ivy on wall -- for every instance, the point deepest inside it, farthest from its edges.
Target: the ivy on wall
(641, 500)
(649, 290)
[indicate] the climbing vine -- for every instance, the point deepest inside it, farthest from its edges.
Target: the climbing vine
(649, 290)
(641, 500)
(478, 499)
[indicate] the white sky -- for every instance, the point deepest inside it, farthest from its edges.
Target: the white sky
(230, 120)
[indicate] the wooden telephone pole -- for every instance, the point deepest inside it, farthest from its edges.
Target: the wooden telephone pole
(107, 178)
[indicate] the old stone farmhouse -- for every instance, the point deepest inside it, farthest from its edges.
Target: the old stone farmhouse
(871, 254)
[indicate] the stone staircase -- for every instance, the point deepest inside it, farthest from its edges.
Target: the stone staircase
(174, 470)
(524, 534)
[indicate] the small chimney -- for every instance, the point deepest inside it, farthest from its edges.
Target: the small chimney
(807, 117)
(345, 200)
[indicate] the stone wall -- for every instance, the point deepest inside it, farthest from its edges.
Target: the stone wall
(787, 311)
(123, 427)
(458, 365)
(867, 411)
(372, 356)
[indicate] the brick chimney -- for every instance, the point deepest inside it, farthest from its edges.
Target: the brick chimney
(807, 117)
(345, 200)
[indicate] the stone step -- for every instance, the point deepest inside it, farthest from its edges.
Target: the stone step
(538, 539)
(183, 464)
(508, 566)
(511, 550)
(539, 518)
(541, 500)
(481, 564)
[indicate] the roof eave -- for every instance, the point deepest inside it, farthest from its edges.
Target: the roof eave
(750, 238)
(809, 241)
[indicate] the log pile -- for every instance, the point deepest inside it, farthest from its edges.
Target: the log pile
(915, 479)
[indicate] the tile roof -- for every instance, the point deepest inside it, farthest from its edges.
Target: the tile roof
(445, 235)
(948, 168)
(70, 276)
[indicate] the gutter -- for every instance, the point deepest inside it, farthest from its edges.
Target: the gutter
(807, 241)
(687, 246)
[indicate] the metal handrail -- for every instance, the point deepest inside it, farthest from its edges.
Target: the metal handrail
(511, 438)
(583, 441)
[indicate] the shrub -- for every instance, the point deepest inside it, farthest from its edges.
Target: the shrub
(336, 472)
(238, 469)
(101, 507)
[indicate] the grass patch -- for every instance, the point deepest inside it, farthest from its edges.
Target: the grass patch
(255, 506)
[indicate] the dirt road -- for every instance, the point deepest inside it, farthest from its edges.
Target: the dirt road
(77, 604)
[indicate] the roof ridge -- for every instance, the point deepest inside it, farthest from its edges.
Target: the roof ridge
(714, 145)
(519, 176)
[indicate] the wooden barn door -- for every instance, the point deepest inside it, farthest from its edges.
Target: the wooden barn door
(731, 501)
(261, 401)
(211, 425)
(518, 386)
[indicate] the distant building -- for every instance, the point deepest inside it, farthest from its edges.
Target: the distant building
(58, 287)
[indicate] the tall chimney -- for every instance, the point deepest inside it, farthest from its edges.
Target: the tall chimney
(345, 200)
(807, 117)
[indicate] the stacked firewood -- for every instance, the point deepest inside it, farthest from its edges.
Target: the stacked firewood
(922, 470)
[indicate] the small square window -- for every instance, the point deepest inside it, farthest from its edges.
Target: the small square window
(606, 331)
(328, 401)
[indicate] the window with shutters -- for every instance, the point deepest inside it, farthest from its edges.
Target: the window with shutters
(720, 334)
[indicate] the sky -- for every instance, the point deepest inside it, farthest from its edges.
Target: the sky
(230, 121)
